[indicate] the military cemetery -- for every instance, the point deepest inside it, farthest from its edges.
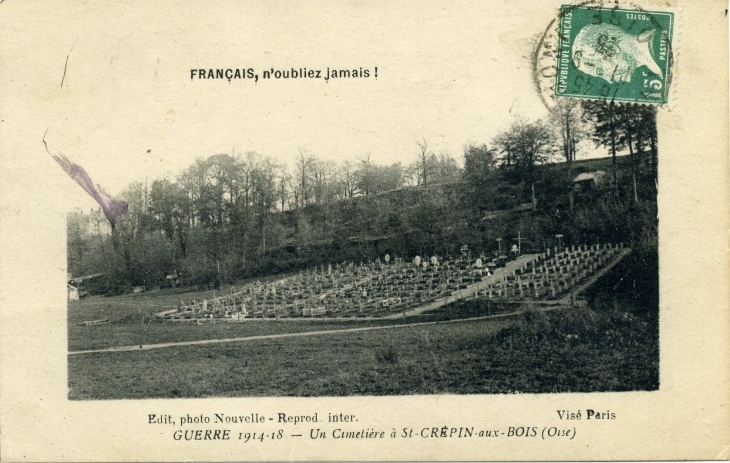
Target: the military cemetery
(388, 290)
(515, 268)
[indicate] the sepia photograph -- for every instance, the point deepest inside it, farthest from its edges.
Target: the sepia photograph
(520, 259)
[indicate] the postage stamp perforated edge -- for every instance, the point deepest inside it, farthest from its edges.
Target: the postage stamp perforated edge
(607, 92)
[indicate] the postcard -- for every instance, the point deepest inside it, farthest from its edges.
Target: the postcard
(364, 230)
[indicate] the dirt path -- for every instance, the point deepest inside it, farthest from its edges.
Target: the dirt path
(142, 347)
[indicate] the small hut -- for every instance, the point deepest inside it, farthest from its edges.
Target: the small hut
(73, 292)
(588, 180)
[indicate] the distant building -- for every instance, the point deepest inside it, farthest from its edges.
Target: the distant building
(588, 180)
(73, 292)
(86, 285)
(93, 223)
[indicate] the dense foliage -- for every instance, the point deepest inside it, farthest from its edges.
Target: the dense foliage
(234, 216)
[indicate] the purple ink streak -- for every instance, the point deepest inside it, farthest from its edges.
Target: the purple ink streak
(113, 209)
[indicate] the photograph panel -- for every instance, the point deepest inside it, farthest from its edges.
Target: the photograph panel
(520, 257)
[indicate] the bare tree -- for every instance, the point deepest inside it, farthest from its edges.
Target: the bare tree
(348, 179)
(412, 174)
(566, 118)
(284, 180)
(605, 119)
(366, 175)
(192, 182)
(304, 167)
(295, 189)
(265, 196)
(323, 173)
(423, 160)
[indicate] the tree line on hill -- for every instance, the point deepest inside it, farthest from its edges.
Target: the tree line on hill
(525, 144)
(230, 216)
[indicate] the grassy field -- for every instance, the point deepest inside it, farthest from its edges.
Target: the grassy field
(575, 350)
(611, 345)
(132, 322)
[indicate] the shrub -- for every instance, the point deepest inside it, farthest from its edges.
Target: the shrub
(386, 355)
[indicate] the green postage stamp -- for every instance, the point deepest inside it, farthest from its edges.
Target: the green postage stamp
(614, 54)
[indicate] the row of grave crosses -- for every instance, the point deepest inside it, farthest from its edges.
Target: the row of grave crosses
(258, 287)
(417, 261)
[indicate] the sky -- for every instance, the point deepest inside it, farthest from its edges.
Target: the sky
(120, 101)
